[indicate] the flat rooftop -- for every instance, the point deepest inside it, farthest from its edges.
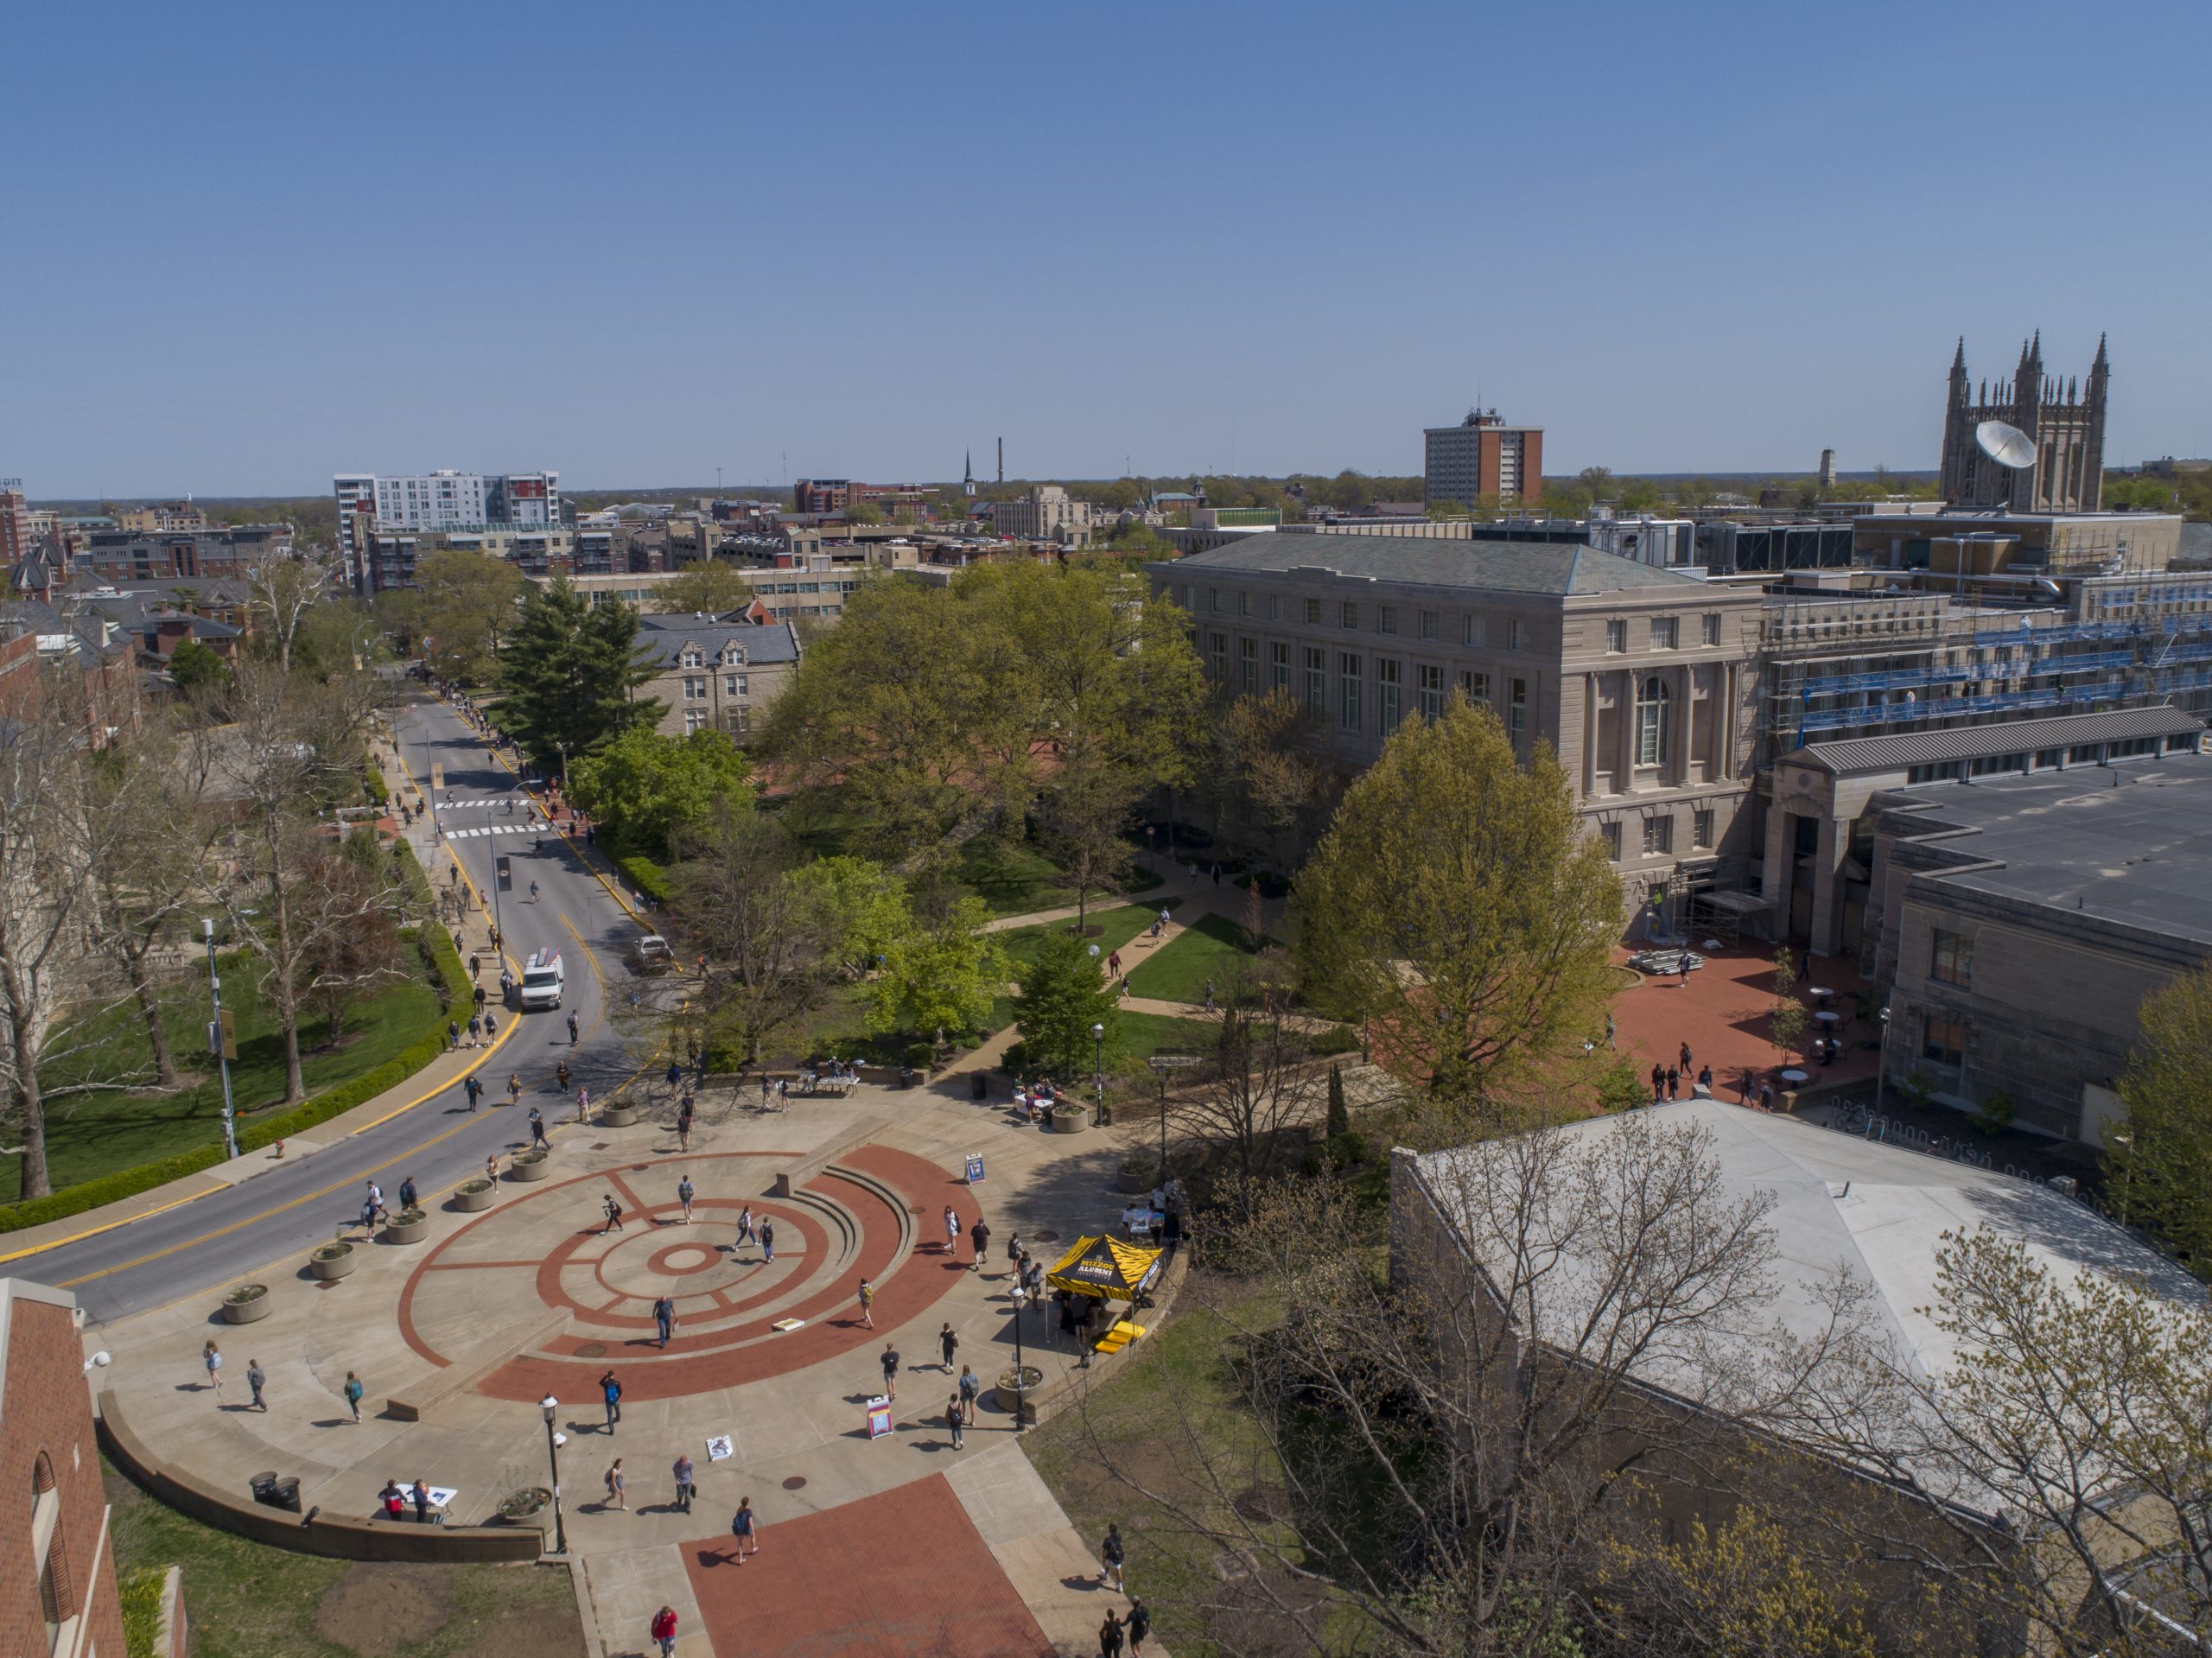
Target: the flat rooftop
(2130, 843)
(1554, 567)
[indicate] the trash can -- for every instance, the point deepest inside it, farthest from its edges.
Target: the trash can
(265, 1486)
(979, 1085)
(286, 1495)
(907, 1078)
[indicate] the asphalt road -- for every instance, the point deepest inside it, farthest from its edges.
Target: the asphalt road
(221, 1238)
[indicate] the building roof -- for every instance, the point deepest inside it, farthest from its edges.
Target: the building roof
(1441, 561)
(664, 637)
(1907, 749)
(2131, 845)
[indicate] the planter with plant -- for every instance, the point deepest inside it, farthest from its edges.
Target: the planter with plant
(529, 1165)
(1016, 1391)
(408, 1226)
(332, 1261)
(246, 1303)
(473, 1194)
(1068, 1119)
(618, 1116)
(520, 1507)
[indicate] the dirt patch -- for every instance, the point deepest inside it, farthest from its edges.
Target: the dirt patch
(530, 1632)
(376, 1608)
(121, 1494)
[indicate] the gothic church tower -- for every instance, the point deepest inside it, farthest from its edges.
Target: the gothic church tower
(2066, 427)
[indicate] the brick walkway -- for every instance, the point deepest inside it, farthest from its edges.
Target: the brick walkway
(903, 1574)
(1722, 1014)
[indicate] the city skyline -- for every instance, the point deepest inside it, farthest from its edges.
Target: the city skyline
(1240, 242)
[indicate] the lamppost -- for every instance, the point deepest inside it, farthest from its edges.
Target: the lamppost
(1098, 1073)
(216, 1039)
(1020, 1297)
(553, 1443)
(2127, 1173)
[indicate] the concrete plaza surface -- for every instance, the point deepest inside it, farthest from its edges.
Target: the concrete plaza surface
(532, 1294)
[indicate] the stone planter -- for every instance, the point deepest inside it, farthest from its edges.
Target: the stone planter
(529, 1165)
(409, 1226)
(1063, 1120)
(333, 1260)
(246, 1303)
(1012, 1393)
(473, 1195)
(618, 1116)
(524, 1507)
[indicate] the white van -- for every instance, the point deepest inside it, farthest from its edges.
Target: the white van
(541, 981)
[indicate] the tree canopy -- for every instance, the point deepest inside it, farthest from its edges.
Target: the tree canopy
(646, 788)
(1062, 996)
(2162, 1172)
(570, 669)
(712, 587)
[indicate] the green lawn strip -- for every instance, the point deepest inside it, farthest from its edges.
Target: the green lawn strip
(1145, 1034)
(248, 1600)
(1214, 948)
(1117, 927)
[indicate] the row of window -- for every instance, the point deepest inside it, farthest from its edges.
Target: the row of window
(696, 687)
(1666, 633)
(1389, 678)
(1496, 632)
(736, 721)
(2049, 759)
(1658, 833)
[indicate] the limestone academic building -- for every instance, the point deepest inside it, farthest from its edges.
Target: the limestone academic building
(1639, 677)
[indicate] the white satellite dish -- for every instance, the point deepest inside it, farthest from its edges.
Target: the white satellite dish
(2005, 444)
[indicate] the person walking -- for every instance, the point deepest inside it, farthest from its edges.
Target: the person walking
(664, 1317)
(211, 1357)
(951, 1228)
(867, 1304)
(745, 1234)
(948, 1343)
(674, 1077)
(257, 1378)
(980, 1235)
(687, 1483)
(1609, 1044)
(491, 1168)
(1686, 1059)
(514, 1087)
(956, 1415)
(971, 1388)
(611, 1391)
(890, 1363)
(409, 1198)
(1111, 1553)
(767, 1239)
(614, 1212)
(1674, 1083)
(377, 1209)
(664, 1630)
(744, 1527)
(538, 1129)
(1013, 1251)
(1140, 1626)
(1209, 995)
(353, 1390)
(572, 1029)
(684, 1193)
(1114, 964)
(473, 1088)
(475, 966)
(476, 1028)
(683, 1124)
(1109, 1636)
(617, 1488)
(583, 1104)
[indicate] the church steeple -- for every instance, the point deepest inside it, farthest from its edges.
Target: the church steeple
(968, 472)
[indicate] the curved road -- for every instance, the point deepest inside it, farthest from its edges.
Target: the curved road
(205, 1243)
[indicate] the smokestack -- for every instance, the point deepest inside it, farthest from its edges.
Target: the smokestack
(1827, 468)
(1001, 461)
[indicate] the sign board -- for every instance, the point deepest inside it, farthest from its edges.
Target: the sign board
(1173, 1060)
(437, 774)
(507, 875)
(441, 1495)
(878, 1417)
(719, 1448)
(975, 1168)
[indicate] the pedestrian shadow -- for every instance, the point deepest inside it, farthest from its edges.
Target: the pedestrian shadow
(1084, 1580)
(332, 1421)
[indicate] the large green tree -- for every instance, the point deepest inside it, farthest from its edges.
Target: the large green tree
(471, 603)
(863, 907)
(1458, 901)
(570, 669)
(768, 940)
(942, 976)
(1062, 996)
(2161, 1173)
(710, 587)
(646, 788)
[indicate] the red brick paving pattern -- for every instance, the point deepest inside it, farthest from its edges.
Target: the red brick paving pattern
(1722, 1014)
(902, 1574)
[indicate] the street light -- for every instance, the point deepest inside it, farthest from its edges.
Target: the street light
(1020, 1297)
(2127, 1173)
(1098, 1072)
(217, 1039)
(553, 1444)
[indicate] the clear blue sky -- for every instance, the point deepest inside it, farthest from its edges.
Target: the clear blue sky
(253, 243)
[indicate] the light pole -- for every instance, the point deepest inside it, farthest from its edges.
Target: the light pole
(1098, 1073)
(1020, 1297)
(2127, 1173)
(553, 1443)
(215, 1041)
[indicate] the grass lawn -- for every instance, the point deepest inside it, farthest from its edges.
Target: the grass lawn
(247, 1600)
(1214, 949)
(1145, 1034)
(98, 1133)
(1117, 926)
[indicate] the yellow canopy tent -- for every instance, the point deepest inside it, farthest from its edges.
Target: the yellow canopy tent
(1108, 1270)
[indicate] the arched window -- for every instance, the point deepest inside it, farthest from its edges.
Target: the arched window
(1653, 712)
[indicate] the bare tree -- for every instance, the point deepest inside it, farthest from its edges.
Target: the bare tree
(283, 585)
(768, 935)
(1260, 1082)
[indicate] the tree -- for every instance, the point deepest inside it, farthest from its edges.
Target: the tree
(942, 976)
(2161, 1162)
(1339, 1119)
(195, 668)
(863, 512)
(570, 671)
(1269, 773)
(711, 587)
(1786, 1023)
(765, 931)
(341, 962)
(1459, 902)
(647, 788)
(1063, 995)
(283, 584)
(1259, 1083)
(863, 907)
(472, 603)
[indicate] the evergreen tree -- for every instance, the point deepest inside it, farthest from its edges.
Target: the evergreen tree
(1339, 1118)
(1063, 995)
(570, 669)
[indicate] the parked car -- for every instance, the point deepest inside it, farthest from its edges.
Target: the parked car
(652, 954)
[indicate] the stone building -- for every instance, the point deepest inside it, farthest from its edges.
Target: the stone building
(716, 673)
(2065, 424)
(1639, 678)
(1047, 513)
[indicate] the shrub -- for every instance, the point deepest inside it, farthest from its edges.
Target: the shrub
(1995, 1113)
(245, 1292)
(141, 1594)
(919, 1056)
(1623, 1087)
(373, 784)
(1337, 1039)
(647, 877)
(333, 1251)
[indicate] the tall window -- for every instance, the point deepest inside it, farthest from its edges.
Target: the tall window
(1617, 636)
(1213, 597)
(1702, 826)
(1472, 633)
(1278, 666)
(1386, 618)
(1428, 624)
(1712, 627)
(1218, 649)
(1943, 1040)
(1387, 693)
(1952, 959)
(1659, 832)
(1476, 685)
(1347, 614)
(1654, 711)
(1247, 666)
(1431, 691)
(1665, 632)
(1517, 715)
(1317, 679)
(1243, 603)
(1612, 836)
(1312, 613)
(1348, 690)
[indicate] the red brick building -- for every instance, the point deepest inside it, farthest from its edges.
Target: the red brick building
(57, 1574)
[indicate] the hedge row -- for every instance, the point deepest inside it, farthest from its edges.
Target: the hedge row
(140, 1592)
(452, 981)
(379, 791)
(647, 877)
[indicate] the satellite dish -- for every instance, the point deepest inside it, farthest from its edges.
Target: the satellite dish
(2005, 444)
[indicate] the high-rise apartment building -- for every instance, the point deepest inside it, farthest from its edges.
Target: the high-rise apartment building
(16, 539)
(1482, 456)
(374, 503)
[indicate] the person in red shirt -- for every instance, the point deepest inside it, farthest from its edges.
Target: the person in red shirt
(664, 1630)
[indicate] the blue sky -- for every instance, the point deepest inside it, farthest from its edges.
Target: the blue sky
(255, 243)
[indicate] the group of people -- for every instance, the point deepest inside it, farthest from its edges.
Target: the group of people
(395, 1497)
(1032, 1100)
(1666, 1080)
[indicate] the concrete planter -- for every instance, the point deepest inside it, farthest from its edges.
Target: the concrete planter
(618, 1116)
(474, 1195)
(524, 1507)
(1063, 1119)
(255, 1304)
(333, 1260)
(409, 1226)
(529, 1165)
(1014, 1393)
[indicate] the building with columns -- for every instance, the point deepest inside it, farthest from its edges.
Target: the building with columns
(1639, 678)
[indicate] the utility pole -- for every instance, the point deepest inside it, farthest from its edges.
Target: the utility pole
(220, 1040)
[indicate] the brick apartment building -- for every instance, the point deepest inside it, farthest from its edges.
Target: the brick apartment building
(57, 1571)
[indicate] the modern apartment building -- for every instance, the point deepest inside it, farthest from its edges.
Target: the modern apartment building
(1639, 678)
(161, 518)
(398, 506)
(16, 537)
(1482, 456)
